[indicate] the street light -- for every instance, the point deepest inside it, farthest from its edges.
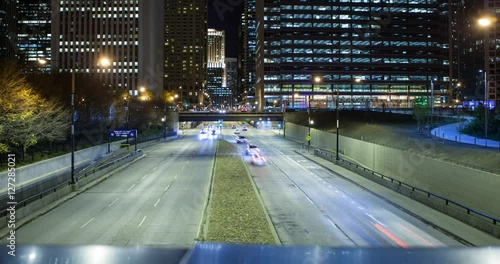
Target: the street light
(485, 22)
(104, 62)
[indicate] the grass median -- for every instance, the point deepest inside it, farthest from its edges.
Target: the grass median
(235, 214)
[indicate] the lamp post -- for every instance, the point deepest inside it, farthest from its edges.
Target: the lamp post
(104, 62)
(485, 22)
(337, 110)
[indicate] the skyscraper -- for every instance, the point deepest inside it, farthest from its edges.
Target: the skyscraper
(216, 69)
(185, 48)
(85, 31)
(33, 35)
(232, 77)
(216, 58)
(490, 40)
(248, 41)
(8, 29)
(398, 51)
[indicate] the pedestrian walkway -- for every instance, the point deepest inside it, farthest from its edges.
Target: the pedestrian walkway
(451, 132)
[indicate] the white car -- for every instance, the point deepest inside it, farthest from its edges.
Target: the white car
(236, 131)
(203, 135)
(258, 159)
(251, 149)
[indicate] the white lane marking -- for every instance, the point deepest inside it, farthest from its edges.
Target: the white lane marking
(187, 161)
(374, 219)
(329, 186)
(182, 167)
(142, 220)
(309, 200)
(167, 187)
(157, 202)
(175, 177)
(353, 202)
(343, 196)
(113, 202)
(144, 177)
(91, 219)
(155, 168)
(360, 207)
(131, 187)
(333, 224)
(297, 163)
(337, 191)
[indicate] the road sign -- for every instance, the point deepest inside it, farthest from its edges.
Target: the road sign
(123, 133)
(308, 138)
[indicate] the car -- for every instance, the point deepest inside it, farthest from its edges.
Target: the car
(251, 149)
(240, 139)
(236, 131)
(244, 128)
(233, 127)
(203, 135)
(258, 159)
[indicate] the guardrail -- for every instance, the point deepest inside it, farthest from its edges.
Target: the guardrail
(447, 201)
(39, 189)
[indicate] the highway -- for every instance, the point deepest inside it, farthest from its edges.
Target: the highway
(157, 200)
(310, 205)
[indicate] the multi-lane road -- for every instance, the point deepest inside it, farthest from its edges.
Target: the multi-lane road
(158, 200)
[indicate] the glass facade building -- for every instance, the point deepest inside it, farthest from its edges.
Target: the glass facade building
(34, 35)
(8, 29)
(248, 33)
(399, 50)
(491, 40)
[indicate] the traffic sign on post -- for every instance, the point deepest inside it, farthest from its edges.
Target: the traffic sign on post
(308, 137)
(123, 133)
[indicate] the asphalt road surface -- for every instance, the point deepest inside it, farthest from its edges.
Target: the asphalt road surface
(310, 205)
(156, 201)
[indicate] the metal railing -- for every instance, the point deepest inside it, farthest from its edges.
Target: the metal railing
(447, 201)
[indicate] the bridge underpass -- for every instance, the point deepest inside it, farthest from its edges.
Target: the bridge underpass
(194, 116)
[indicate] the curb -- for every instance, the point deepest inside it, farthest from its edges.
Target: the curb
(203, 226)
(269, 221)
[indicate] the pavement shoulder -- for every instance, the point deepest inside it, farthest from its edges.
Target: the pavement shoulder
(441, 220)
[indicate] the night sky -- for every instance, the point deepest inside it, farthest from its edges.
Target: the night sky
(225, 15)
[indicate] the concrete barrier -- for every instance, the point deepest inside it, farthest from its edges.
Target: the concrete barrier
(473, 188)
(61, 163)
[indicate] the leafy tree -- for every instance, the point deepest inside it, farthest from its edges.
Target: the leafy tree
(25, 116)
(476, 127)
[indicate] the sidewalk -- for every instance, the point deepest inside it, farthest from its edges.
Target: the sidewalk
(450, 132)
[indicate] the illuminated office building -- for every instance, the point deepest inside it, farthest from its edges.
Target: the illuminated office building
(85, 31)
(216, 68)
(491, 35)
(186, 48)
(33, 35)
(247, 34)
(232, 76)
(8, 29)
(399, 51)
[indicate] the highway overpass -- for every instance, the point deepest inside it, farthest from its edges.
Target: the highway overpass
(235, 116)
